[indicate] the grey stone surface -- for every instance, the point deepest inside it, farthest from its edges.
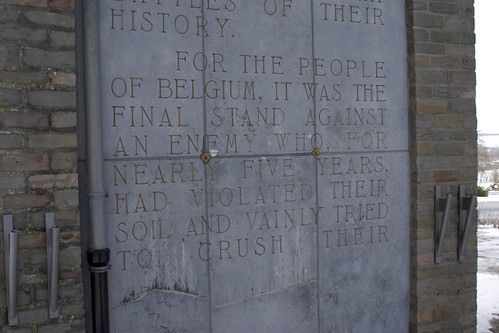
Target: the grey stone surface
(265, 236)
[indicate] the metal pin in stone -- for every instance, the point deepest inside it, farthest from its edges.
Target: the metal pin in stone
(206, 158)
(316, 153)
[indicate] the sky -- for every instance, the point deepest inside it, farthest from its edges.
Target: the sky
(487, 69)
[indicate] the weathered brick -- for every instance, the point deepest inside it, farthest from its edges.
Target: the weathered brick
(9, 55)
(23, 162)
(424, 148)
(52, 140)
(12, 182)
(10, 97)
(36, 315)
(60, 38)
(444, 7)
(15, 32)
(462, 77)
(70, 237)
(9, 15)
(24, 120)
(462, 105)
(446, 62)
(446, 91)
(32, 3)
(447, 149)
(52, 99)
(51, 19)
(62, 4)
(433, 76)
(52, 59)
(23, 77)
(444, 176)
(431, 107)
(11, 140)
(447, 122)
(51, 181)
(63, 119)
(64, 161)
(32, 240)
(65, 198)
(424, 20)
(63, 79)
(452, 37)
(429, 48)
(26, 200)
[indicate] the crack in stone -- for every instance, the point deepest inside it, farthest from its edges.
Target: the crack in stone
(264, 294)
(144, 294)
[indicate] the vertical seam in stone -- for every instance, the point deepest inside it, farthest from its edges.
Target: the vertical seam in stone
(208, 267)
(316, 217)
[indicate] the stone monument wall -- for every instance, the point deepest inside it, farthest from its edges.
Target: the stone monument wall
(38, 168)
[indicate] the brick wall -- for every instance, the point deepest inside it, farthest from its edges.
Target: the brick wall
(38, 162)
(443, 151)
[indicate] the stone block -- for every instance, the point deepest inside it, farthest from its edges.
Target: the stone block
(430, 107)
(51, 181)
(52, 99)
(49, 59)
(23, 162)
(9, 55)
(24, 120)
(446, 62)
(444, 7)
(429, 48)
(51, 19)
(11, 140)
(67, 218)
(425, 20)
(9, 15)
(62, 4)
(431, 76)
(9, 97)
(446, 92)
(66, 198)
(447, 122)
(52, 140)
(63, 79)
(446, 37)
(23, 77)
(70, 237)
(31, 3)
(62, 39)
(12, 182)
(16, 32)
(446, 176)
(32, 240)
(64, 161)
(462, 77)
(447, 149)
(36, 315)
(26, 200)
(63, 119)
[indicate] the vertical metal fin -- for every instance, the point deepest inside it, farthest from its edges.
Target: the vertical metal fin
(11, 237)
(442, 207)
(52, 236)
(465, 204)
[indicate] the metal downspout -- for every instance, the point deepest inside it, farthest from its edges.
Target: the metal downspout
(97, 254)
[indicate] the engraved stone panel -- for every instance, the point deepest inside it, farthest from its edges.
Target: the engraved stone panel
(256, 159)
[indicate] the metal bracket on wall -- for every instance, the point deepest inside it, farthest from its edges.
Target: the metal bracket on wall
(442, 207)
(10, 241)
(52, 236)
(465, 204)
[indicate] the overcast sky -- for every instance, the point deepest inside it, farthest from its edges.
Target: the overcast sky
(487, 90)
